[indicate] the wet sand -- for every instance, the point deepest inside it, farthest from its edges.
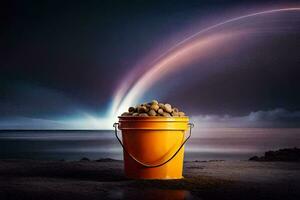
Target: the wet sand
(26, 179)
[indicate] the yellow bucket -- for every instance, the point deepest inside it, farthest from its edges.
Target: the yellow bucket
(153, 147)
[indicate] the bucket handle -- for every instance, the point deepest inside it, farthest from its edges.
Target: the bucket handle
(191, 125)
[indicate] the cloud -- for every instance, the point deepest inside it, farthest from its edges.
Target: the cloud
(81, 121)
(278, 117)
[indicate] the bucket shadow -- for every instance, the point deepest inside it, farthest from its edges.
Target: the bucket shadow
(150, 194)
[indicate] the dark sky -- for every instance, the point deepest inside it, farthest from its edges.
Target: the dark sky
(59, 58)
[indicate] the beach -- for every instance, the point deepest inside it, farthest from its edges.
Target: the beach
(104, 179)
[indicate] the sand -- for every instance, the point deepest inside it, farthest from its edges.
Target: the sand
(88, 180)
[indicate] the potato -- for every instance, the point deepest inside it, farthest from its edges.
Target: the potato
(125, 114)
(161, 105)
(154, 102)
(168, 108)
(175, 110)
(165, 114)
(160, 111)
(142, 109)
(181, 114)
(175, 114)
(131, 109)
(152, 113)
(143, 115)
(153, 108)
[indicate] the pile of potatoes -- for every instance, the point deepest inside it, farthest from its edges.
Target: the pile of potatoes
(153, 109)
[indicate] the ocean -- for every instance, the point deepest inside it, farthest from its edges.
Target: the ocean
(205, 143)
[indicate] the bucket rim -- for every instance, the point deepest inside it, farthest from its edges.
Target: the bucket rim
(153, 118)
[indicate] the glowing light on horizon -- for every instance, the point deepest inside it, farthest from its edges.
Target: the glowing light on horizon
(126, 96)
